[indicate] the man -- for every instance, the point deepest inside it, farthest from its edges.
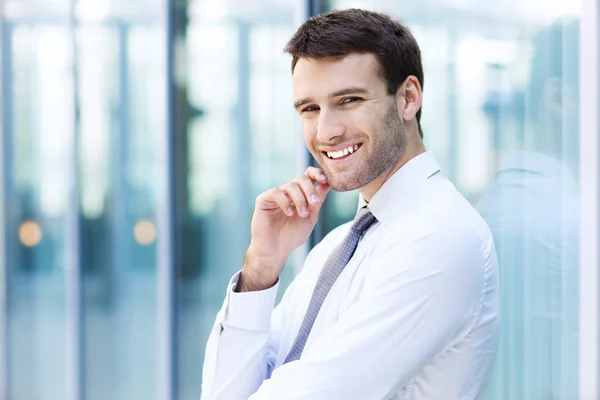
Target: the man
(400, 303)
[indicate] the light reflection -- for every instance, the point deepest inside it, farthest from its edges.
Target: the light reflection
(144, 232)
(30, 233)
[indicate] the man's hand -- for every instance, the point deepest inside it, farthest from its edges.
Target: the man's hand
(283, 219)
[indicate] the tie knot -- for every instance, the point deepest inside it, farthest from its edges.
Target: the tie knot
(363, 220)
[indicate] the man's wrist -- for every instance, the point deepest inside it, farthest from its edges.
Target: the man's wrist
(259, 272)
(248, 282)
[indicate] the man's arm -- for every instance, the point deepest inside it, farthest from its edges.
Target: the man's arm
(415, 301)
(243, 343)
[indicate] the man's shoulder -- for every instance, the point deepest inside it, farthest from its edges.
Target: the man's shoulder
(438, 225)
(449, 210)
(441, 240)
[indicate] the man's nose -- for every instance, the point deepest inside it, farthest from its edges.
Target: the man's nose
(330, 126)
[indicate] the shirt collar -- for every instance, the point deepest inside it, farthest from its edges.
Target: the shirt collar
(538, 163)
(530, 161)
(399, 191)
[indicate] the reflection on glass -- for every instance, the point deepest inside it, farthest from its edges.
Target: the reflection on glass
(30, 234)
(532, 207)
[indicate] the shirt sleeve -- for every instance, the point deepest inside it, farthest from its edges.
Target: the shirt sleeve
(242, 345)
(417, 299)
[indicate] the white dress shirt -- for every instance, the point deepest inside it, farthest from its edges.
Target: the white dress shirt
(414, 315)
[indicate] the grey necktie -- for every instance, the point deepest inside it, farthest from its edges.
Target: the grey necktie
(333, 267)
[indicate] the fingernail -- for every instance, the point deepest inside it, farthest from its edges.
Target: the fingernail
(314, 198)
(323, 177)
(290, 211)
(303, 210)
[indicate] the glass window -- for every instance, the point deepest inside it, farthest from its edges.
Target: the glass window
(500, 113)
(122, 117)
(83, 111)
(237, 137)
(83, 125)
(38, 150)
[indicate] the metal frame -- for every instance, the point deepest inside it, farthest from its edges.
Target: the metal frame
(5, 121)
(73, 289)
(589, 180)
(167, 321)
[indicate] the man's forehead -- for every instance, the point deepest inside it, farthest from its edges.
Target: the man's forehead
(328, 75)
(356, 62)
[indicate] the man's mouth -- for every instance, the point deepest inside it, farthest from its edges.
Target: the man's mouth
(342, 153)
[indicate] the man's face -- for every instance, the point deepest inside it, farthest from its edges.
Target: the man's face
(350, 124)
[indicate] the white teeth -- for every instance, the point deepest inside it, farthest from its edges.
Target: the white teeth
(342, 153)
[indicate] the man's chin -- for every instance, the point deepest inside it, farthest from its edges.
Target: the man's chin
(340, 185)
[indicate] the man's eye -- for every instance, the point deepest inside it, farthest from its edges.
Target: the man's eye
(310, 108)
(351, 100)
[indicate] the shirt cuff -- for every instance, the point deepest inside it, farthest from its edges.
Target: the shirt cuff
(249, 310)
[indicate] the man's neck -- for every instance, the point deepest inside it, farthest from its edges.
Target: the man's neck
(413, 149)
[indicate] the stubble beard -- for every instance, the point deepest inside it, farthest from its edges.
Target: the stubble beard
(385, 149)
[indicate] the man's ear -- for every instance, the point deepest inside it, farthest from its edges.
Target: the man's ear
(409, 98)
(553, 97)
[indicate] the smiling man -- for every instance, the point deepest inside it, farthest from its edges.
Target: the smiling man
(402, 302)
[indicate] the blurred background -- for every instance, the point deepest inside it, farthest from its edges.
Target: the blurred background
(136, 134)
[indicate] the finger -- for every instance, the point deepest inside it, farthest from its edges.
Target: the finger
(316, 174)
(292, 190)
(275, 197)
(322, 190)
(308, 188)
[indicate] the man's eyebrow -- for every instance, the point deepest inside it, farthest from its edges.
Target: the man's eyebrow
(350, 90)
(301, 102)
(341, 92)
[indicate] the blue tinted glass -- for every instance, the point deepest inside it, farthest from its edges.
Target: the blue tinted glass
(38, 157)
(122, 116)
(83, 111)
(238, 139)
(83, 127)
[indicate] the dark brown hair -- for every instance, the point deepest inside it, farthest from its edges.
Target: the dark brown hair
(343, 32)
